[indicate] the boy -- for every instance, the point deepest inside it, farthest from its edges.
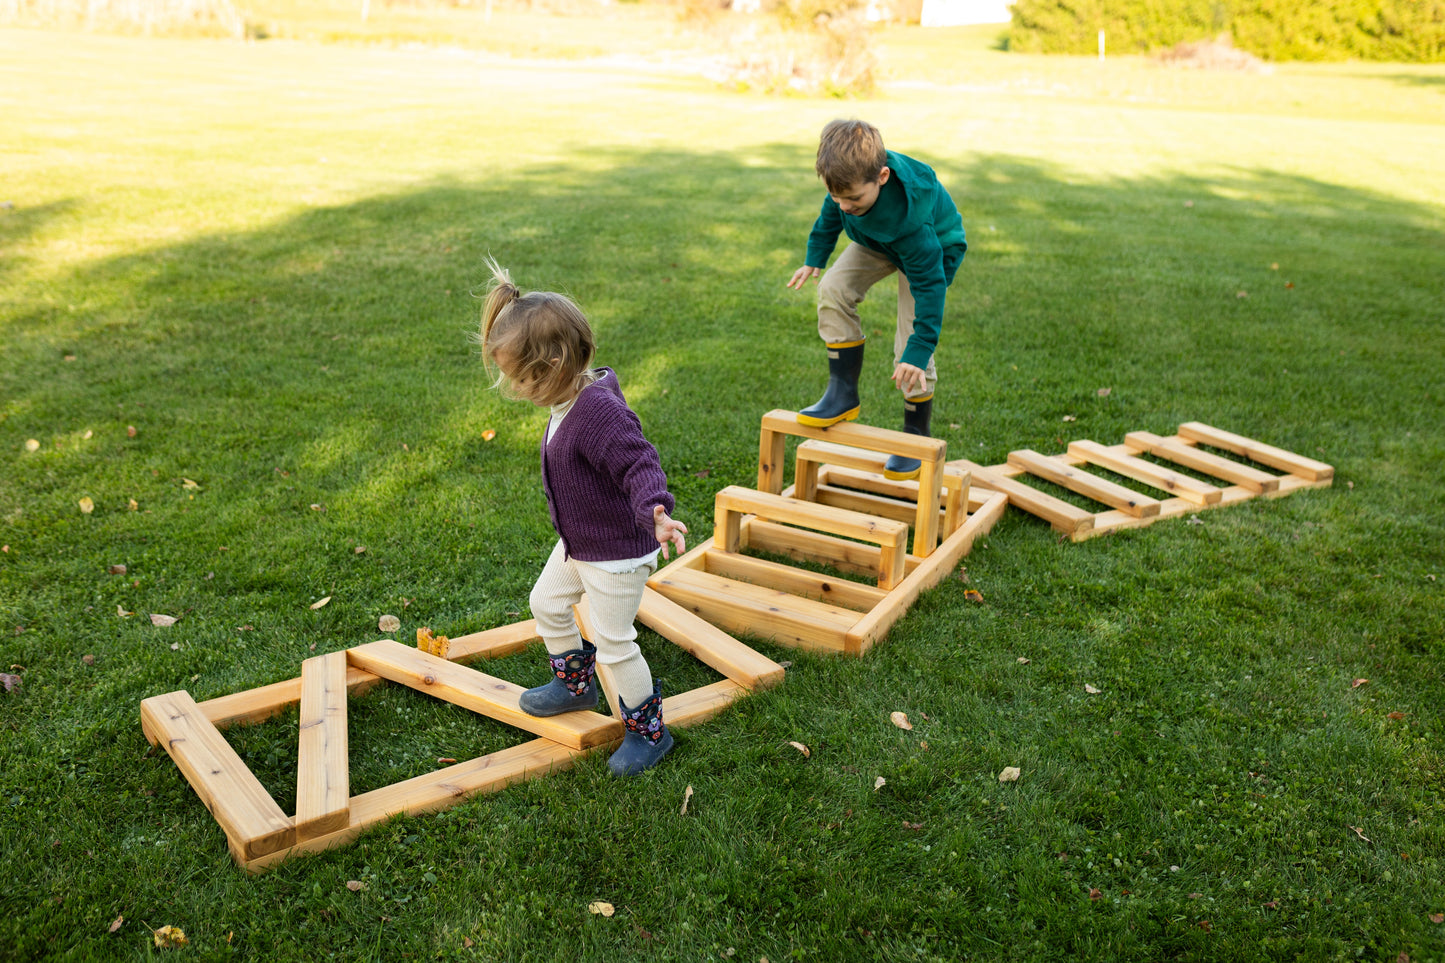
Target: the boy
(899, 218)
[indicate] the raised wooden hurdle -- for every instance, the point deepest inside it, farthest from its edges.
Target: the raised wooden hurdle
(842, 513)
(260, 834)
(1181, 494)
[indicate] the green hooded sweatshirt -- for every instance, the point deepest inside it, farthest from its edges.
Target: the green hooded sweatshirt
(915, 225)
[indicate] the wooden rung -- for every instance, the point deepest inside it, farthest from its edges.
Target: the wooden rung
(708, 643)
(1253, 479)
(795, 581)
(864, 502)
(765, 613)
(323, 765)
(890, 535)
(479, 692)
(854, 435)
(1090, 486)
(1198, 492)
(1060, 514)
(1197, 431)
(254, 825)
(827, 453)
(854, 558)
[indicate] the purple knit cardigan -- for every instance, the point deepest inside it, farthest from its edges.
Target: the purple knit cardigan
(603, 478)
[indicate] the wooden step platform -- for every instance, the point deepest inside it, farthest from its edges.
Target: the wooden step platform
(1146, 458)
(841, 514)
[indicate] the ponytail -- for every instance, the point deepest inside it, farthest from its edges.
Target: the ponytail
(502, 293)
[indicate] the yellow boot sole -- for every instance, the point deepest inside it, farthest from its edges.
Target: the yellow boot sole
(850, 415)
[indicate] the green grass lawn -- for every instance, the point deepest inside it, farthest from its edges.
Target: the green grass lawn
(264, 258)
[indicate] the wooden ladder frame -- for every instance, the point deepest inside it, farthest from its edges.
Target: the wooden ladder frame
(1130, 509)
(840, 512)
(259, 834)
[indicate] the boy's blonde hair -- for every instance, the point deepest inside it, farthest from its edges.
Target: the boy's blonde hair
(850, 152)
(538, 345)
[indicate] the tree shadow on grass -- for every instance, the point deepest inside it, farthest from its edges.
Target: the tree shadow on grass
(317, 378)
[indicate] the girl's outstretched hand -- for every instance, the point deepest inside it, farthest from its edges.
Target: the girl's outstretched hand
(668, 531)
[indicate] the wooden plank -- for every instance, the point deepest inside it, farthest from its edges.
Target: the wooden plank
(726, 526)
(254, 825)
(493, 643)
(1288, 461)
(855, 435)
(853, 558)
(795, 581)
(955, 501)
(1057, 512)
(772, 451)
(827, 453)
(1198, 492)
(1181, 454)
(1090, 486)
(925, 525)
(479, 692)
(323, 763)
(444, 788)
(874, 626)
(753, 610)
(865, 502)
(709, 644)
(835, 521)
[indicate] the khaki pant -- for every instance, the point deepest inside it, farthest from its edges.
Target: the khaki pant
(613, 601)
(842, 289)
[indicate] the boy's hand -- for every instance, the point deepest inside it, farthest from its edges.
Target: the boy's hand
(668, 531)
(909, 379)
(801, 276)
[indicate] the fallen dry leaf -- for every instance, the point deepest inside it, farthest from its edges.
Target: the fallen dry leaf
(168, 936)
(1396, 715)
(116, 570)
(88, 435)
(913, 826)
(1023, 661)
(1105, 392)
(1070, 418)
(10, 682)
(86, 505)
(359, 550)
(117, 924)
(1206, 926)
(1437, 917)
(900, 719)
(1095, 894)
(320, 602)
(807, 753)
(355, 885)
(130, 431)
(686, 798)
(446, 761)
(1090, 689)
(190, 485)
(879, 783)
(123, 613)
(1361, 833)
(133, 505)
(1241, 294)
(32, 444)
(88, 659)
(599, 908)
(163, 620)
(1358, 682)
(973, 595)
(1272, 904)
(488, 435)
(1010, 774)
(388, 623)
(317, 508)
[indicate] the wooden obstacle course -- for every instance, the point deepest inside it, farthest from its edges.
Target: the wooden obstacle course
(259, 834)
(1130, 509)
(841, 513)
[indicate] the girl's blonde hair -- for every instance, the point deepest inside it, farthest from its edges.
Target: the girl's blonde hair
(537, 346)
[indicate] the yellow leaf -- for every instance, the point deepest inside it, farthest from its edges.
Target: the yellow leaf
(879, 783)
(32, 444)
(133, 504)
(900, 719)
(320, 602)
(488, 435)
(86, 505)
(686, 798)
(1023, 660)
(388, 623)
(1009, 774)
(807, 753)
(123, 613)
(168, 936)
(1090, 689)
(163, 620)
(189, 485)
(599, 908)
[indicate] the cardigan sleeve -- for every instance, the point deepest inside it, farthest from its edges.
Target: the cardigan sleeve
(618, 449)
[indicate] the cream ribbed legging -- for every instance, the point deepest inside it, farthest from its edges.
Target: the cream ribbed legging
(613, 600)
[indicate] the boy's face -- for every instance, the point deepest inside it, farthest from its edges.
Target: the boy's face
(860, 198)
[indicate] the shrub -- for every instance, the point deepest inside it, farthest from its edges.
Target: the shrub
(1403, 30)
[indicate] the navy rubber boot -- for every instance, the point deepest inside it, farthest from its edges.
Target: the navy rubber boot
(573, 684)
(645, 739)
(840, 399)
(916, 417)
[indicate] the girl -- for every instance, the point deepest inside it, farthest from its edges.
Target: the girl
(608, 498)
